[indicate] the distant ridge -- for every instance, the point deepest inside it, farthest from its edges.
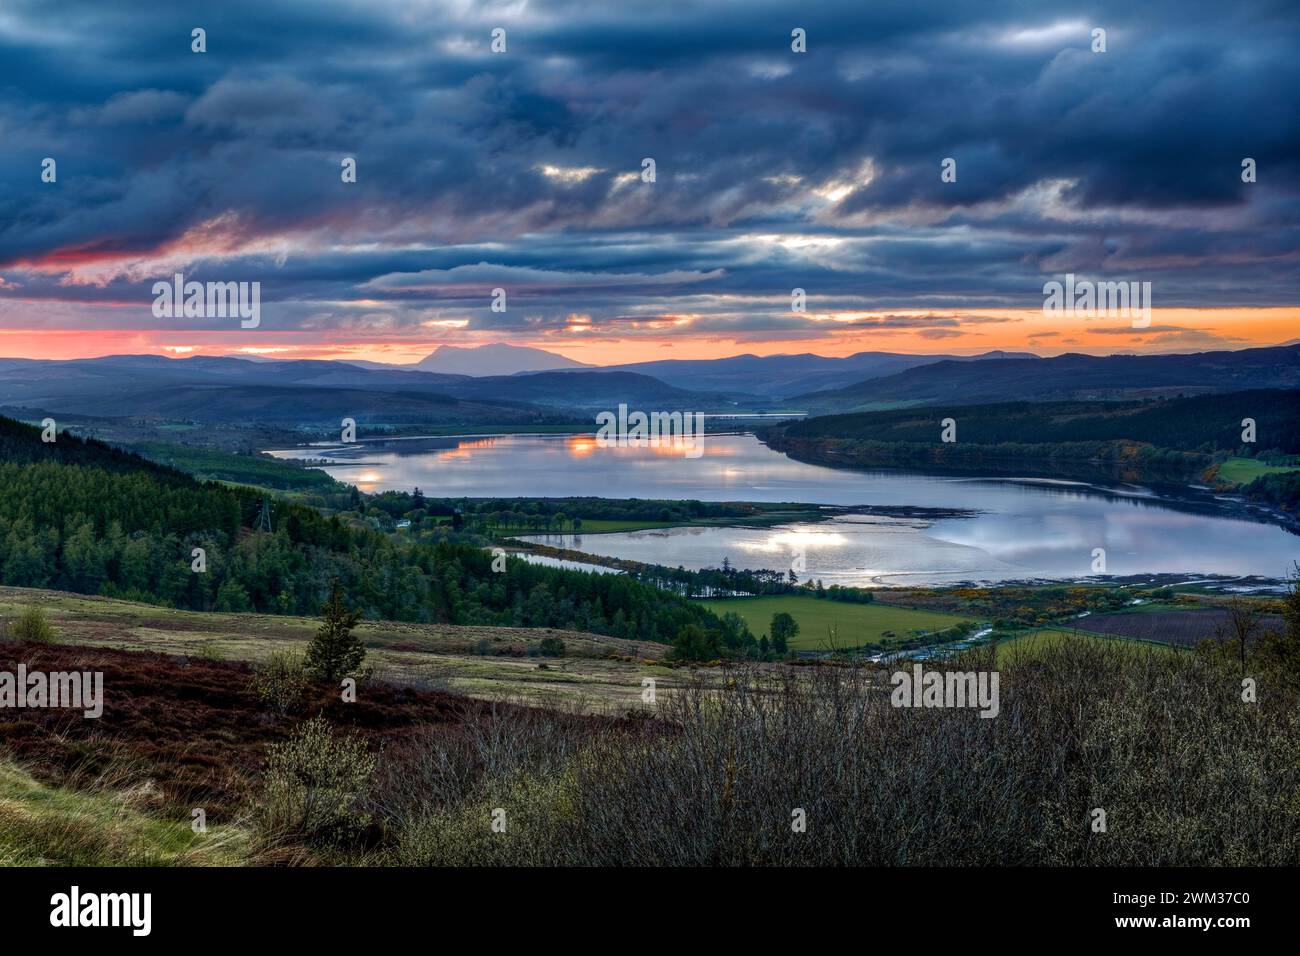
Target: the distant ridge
(315, 392)
(782, 376)
(1071, 376)
(217, 388)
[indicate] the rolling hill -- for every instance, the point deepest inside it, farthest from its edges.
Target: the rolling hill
(781, 376)
(1188, 424)
(1070, 376)
(315, 393)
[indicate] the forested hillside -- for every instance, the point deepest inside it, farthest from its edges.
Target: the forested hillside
(1205, 423)
(1181, 439)
(78, 515)
(1071, 376)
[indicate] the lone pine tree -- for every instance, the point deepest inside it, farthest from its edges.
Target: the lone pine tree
(335, 651)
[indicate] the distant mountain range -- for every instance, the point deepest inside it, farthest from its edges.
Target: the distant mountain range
(317, 393)
(782, 376)
(768, 376)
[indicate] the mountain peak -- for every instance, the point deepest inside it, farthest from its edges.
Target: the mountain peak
(1001, 354)
(495, 359)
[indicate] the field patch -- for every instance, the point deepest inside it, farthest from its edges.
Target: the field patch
(854, 624)
(1034, 641)
(1242, 471)
(1183, 627)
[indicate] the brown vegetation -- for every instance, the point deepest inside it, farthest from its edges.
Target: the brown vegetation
(196, 728)
(1184, 628)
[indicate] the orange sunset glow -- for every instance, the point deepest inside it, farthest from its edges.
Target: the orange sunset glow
(1023, 330)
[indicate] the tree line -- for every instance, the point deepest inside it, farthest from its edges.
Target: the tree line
(1201, 425)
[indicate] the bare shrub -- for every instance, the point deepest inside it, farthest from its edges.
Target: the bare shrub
(282, 682)
(1187, 773)
(436, 767)
(316, 783)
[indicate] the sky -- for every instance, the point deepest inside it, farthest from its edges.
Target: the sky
(524, 170)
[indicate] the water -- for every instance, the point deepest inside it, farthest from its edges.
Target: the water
(1022, 528)
(551, 562)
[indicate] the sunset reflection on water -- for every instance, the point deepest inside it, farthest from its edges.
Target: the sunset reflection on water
(1009, 530)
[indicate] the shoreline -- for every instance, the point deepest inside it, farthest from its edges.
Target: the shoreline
(1171, 491)
(1220, 583)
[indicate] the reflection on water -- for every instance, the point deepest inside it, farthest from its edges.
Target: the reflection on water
(795, 540)
(1023, 528)
(563, 563)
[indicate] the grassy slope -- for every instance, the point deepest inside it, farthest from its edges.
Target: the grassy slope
(605, 670)
(52, 826)
(856, 624)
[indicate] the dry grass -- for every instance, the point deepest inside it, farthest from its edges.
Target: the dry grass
(105, 823)
(485, 662)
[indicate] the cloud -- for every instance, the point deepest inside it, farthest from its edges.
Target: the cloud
(136, 107)
(486, 275)
(1173, 335)
(774, 170)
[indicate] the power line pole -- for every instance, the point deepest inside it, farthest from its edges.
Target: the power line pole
(264, 517)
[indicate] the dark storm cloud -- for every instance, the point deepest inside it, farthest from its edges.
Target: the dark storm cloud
(775, 170)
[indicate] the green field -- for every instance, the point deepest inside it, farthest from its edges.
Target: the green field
(855, 624)
(1242, 471)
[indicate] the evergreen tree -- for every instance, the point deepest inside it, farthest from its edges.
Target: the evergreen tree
(335, 651)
